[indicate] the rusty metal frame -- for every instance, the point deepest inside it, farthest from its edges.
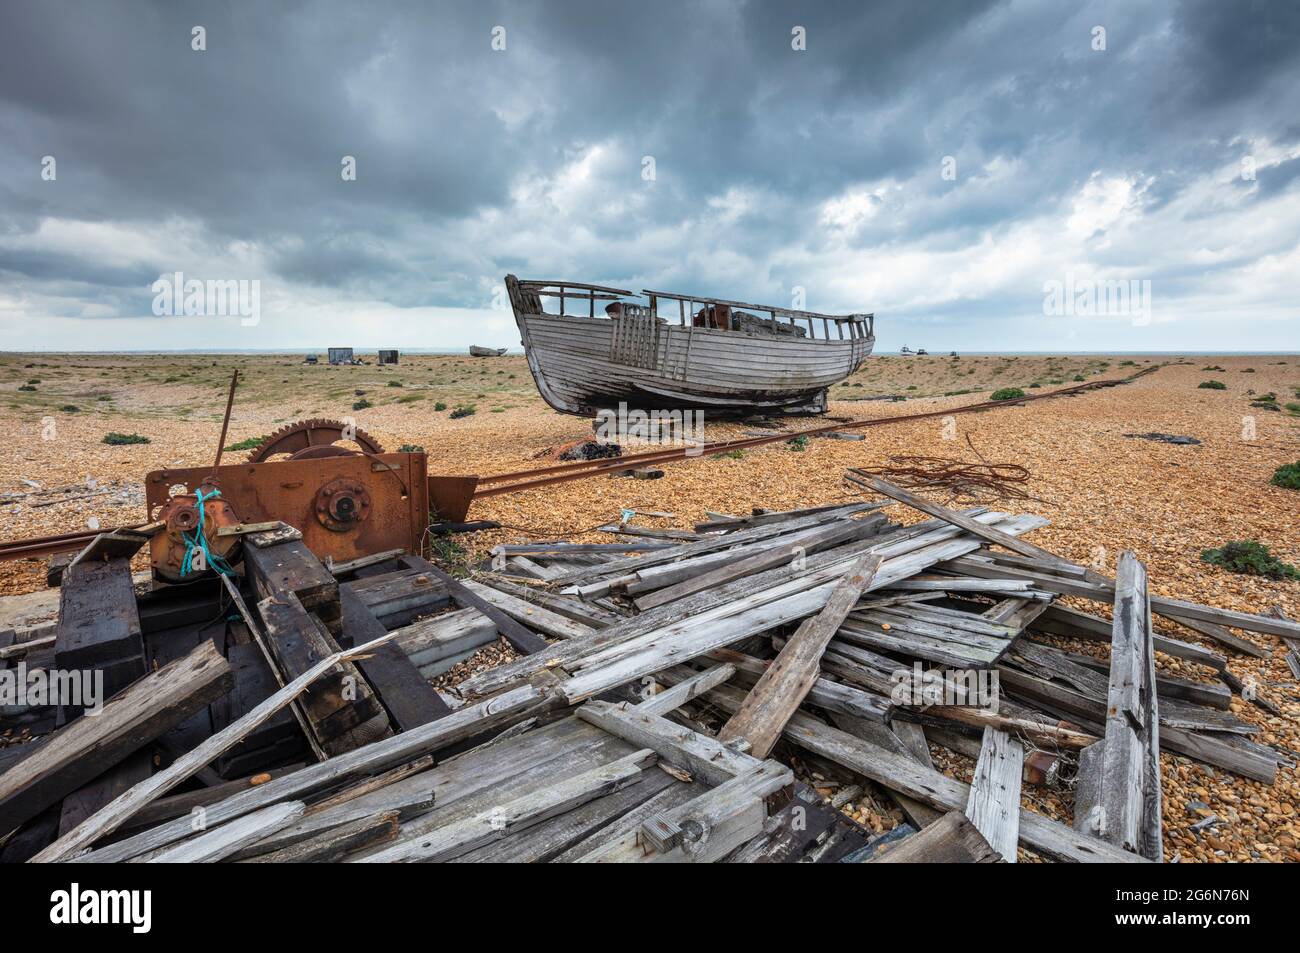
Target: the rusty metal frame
(286, 490)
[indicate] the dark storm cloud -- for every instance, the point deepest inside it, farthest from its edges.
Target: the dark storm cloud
(464, 154)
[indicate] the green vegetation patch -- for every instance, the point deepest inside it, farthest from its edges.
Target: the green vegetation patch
(1287, 476)
(1250, 558)
(116, 439)
(1007, 393)
(1212, 385)
(248, 444)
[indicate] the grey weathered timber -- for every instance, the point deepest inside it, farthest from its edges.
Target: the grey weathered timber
(1087, 788)
(630, 823)
(549, 839)
(899, 772)
(786, 682)
(798, 544)
(1175, 609)
(533, 615)
(559, 603)
(576, 549)
(1168, 688)
(673, 698)
(994, 803)
(705, 828)
(871, 705)
(409, 700)
(90, 745)
(1216, 632)
(112, 816)
(711, 544)
(952, 839)
(1128, 803)
(98, 620)
(381, 755)
(1220, 751)
(991, 534)
(223, 841)
(435, 644)
(335, 705)
(522, 638)
(705, 758)
(1062, 620)
(1174, 712)
(766, 610)
(516, 814)
(337, 842)
(715, 600)
(290, 567)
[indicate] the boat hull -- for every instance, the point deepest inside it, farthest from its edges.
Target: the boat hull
(583, 365)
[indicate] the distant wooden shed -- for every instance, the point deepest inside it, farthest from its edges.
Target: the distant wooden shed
(388, 357)
(340, 355)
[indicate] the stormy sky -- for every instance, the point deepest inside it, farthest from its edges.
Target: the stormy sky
(939, 163)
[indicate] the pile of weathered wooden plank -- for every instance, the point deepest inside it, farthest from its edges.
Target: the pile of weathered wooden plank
(664, 689)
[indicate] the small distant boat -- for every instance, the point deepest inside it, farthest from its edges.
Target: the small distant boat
(476, 351)
(906, 351)
(922, 352)
(725, 357)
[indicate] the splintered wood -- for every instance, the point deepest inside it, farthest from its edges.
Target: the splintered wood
(725, 692)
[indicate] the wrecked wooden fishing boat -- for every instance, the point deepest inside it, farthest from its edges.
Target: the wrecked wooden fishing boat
(477, 351)
(723, 357)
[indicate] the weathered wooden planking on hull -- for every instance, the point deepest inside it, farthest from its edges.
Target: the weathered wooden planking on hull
(723, 358)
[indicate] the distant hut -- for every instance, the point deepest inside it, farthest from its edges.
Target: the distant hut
(311, 359)
(388, 357)
(341, 355)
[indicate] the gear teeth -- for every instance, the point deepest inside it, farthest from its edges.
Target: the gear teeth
(269, 446)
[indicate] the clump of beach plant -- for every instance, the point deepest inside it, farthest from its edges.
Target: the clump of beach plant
(1287, 476)
(439, 406)
(467, 410)
(798, 443)
(1212, 385)
(1250, 558)
(116, 439)
(248, 444)
(70, 409)
(362, 404)
(1079, 377)
(394, 383)
(410, 448)
(27, 387)
(1007, 393)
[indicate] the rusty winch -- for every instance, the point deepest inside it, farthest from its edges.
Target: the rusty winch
(330, 480)
(191, 542)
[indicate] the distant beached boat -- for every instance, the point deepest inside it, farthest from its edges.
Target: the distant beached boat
(906, 351)
(476, 351)
(726, 357)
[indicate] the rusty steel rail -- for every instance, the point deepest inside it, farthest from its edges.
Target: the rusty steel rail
(548, 476)
(521, 480)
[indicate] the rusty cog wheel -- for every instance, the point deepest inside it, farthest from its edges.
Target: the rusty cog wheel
(307, 439)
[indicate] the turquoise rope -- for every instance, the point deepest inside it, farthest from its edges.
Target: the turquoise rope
(196, 540)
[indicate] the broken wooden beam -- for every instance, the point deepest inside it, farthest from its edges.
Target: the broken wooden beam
(1127, 808)
(786, 682)
(88, 746)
